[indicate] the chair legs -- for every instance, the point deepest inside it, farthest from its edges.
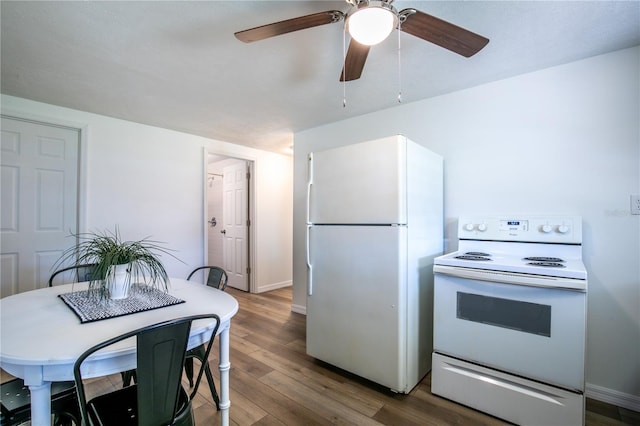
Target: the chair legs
(67, 418)
(16, 403)
(212, 386)
(127, 377)
(188, 368)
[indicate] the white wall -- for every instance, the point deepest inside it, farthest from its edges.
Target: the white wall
(563, 140)
(149, 181)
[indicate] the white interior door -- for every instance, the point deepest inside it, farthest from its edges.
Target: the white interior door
(39, 201)
(214, 219)
(235, 218)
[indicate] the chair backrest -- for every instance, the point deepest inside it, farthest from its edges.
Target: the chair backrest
(160, 354)
(75, 273)
(217, 276)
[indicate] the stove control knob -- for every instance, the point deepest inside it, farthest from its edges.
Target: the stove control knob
(468, 227)
(545, 228)
(563, 229)
(482, 227)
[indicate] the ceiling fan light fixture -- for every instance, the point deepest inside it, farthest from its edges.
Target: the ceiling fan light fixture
(372, 22)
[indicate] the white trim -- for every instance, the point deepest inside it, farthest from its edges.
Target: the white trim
(252, 162)
(205, 207)
(83, 129)
(252, 261)
(611, 396)
(274, 286)
(41, 119)
(83, 179)
(299, 309)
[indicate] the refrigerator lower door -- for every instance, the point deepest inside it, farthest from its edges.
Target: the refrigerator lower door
(356, 309)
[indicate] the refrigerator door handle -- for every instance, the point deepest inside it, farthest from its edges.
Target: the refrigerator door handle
(309, 266)
(309, 184)
(309, 203)
(308, 248)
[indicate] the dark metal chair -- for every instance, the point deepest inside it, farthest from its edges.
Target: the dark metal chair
(217, 278)
(75, 274)
(158, 397)
(15, 407)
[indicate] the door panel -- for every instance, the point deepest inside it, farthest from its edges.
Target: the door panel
(39, 201)
(516, 399)
(215, 211)
(513, 328)
(236, 183)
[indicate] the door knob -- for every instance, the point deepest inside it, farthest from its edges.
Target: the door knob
(224, 231)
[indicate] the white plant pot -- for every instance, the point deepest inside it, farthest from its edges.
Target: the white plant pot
(118, 281)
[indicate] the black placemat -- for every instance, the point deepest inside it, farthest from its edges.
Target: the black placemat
(90, 307)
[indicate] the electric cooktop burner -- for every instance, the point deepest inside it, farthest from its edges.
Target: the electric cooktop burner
(473, 255)
(547, 264)
(478, 253)
(544, 259)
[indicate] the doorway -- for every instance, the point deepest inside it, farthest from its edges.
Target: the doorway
(228, 213)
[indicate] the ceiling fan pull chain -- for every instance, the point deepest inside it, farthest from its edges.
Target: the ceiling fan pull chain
(399, 64)
(344, 67)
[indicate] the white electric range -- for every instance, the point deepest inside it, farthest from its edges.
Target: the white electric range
(510, 319)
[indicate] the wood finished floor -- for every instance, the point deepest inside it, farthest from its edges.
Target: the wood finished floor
(274, 382)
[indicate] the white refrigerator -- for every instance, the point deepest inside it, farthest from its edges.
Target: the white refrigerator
(374, 226)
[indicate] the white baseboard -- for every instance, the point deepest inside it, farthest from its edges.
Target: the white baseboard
(299, 309)
(610, 396)
(274, 286)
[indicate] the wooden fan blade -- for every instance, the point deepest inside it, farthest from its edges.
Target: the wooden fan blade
(290, 25)
(442, 33)
(354, 62)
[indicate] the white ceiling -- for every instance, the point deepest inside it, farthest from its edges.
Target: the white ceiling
(177, 65)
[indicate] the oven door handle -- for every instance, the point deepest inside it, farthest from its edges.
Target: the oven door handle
(528, 280)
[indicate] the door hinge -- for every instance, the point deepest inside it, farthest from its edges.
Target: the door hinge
(248, 270)
(248, 222)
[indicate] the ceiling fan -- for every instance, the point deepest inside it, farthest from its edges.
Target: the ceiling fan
(369, 22)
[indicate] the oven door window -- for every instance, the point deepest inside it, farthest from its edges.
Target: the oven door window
(527, 317)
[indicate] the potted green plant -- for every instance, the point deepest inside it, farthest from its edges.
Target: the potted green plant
(118, 262)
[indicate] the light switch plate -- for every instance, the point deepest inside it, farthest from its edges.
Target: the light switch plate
(635, 204)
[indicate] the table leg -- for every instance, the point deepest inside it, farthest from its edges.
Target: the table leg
(40, 404)
(225, 365)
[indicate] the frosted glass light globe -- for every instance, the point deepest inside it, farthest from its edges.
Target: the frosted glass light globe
(371, 25)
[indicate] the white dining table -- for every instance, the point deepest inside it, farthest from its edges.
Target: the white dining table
(41, 337)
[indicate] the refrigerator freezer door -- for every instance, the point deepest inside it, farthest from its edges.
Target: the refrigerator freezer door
(356, 317)
(363, 183)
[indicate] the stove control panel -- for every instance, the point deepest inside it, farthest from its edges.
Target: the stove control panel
(543, 229)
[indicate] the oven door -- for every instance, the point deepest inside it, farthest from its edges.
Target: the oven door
(535, 332)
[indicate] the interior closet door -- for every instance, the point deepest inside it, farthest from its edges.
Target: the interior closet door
(39, 201)
(236, 224)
